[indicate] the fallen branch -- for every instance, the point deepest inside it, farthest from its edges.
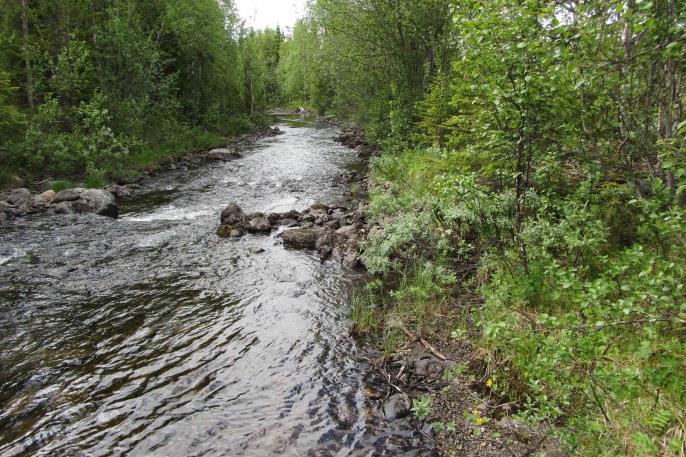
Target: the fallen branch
(424, 343)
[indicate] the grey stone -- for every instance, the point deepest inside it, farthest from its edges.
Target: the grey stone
(300, 238)
(258, 225)
(334, 224)
(63, 208)
(18, 197)
(351, 260)
(347, 231)
(68, 195)
(232, 214)
(329, 239)
(98, 201)
(222, 154)
(48, 196)
(397, 406)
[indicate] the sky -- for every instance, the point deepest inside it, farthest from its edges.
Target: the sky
(260, 14)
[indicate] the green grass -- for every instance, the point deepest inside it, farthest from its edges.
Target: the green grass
(60, 185)
(362, 314)
(145, 156)
(152, 155)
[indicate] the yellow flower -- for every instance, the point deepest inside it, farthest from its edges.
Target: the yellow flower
(475, 412)
(479, 421)
(489, 383)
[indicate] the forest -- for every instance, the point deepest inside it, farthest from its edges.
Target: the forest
(530, 179)
(93, 90)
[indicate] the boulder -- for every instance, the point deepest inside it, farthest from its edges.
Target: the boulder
(38, 204)
(319, 207)
(119, 191)
(337, 213)
(63, 208)
(351, 260)
(325, 253)
(375, 232)
(222, 154)
(232, 214)
(258, 224)
(347, 231)
(97, 201)
(300, 238)
(48, 196)
(18, 197)
(333, 224)
(292, 214)
(329, 240)
(274, 218)
(68, 195)
(287, 222)
(427, 366)
(397, 406)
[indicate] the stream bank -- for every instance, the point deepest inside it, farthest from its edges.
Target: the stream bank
(437, 380)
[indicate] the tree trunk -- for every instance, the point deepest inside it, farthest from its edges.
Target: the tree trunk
(27, 57)
(670, 107)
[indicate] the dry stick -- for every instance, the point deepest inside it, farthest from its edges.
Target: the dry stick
(425, 343)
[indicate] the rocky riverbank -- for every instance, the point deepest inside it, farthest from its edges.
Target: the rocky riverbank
(22, 202)
(433, 385)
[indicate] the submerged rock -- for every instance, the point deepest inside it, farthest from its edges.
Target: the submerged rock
(228, 231)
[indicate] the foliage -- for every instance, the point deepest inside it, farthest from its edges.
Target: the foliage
(88, 88)
(540, 160)
(421, 407)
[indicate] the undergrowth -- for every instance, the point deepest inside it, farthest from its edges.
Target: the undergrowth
(587, 335)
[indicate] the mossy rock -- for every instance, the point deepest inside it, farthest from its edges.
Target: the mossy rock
(228, 231)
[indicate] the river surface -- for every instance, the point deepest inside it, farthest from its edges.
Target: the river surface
(149, 335)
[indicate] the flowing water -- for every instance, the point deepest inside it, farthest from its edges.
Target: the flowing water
(149, 335)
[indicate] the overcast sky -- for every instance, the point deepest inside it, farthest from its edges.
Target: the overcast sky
(270, 13)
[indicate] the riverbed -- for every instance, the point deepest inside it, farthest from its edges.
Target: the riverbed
(149, 335)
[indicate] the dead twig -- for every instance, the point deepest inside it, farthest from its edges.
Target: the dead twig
(424, 343)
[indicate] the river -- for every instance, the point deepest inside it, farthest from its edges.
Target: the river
(149, 335)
